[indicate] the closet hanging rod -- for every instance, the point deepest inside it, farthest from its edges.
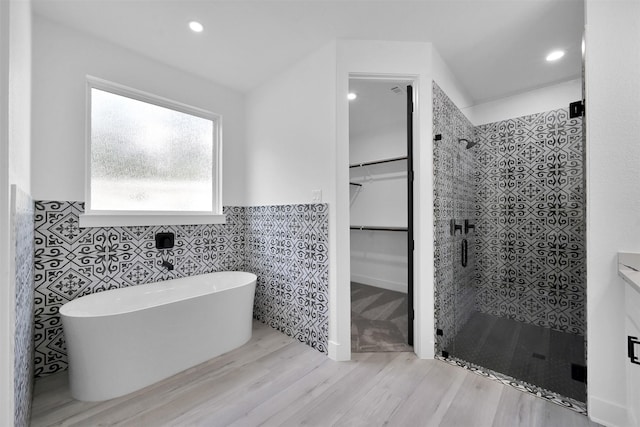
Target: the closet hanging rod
(373, 228)
(377, 162)
(356, 184)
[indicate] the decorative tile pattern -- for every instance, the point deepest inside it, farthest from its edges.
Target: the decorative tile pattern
(287, 248)
(71, 262)
(530, 209)
(22, 233)
(454, 198)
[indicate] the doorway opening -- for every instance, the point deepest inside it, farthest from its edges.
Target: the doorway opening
(381, 214)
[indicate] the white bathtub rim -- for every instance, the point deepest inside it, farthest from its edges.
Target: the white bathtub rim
(93, 305)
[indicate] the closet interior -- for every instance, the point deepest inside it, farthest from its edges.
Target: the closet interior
(381, 225)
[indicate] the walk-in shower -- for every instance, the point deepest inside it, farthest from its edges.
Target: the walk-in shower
(510, 248)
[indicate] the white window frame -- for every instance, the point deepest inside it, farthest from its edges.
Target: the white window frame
(114, 218)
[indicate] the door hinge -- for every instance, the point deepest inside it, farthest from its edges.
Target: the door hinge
(576, 109)
(579, 373)
(631, 354)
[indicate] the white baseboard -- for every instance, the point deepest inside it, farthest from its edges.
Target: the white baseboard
(338, 352)
(607, 413)
(379, 283)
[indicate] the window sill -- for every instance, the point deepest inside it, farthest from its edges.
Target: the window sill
(124, 220)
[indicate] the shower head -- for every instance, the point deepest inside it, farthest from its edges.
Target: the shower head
(469, 143)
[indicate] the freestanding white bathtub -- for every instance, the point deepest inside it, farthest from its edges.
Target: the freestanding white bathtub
(122, 340)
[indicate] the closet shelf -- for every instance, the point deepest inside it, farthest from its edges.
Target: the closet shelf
(375, 228)
(377, 162)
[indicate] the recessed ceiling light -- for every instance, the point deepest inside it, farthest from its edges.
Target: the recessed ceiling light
(555, 55)
(196, 27)
(351, 96)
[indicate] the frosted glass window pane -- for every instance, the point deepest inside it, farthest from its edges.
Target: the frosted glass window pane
(148, 158)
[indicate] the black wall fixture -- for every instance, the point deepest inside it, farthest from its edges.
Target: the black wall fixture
(453, 227)
(576, 109)
(579, 373)
(468, 226)
(631, 343)
(464, 253)
(165, 240)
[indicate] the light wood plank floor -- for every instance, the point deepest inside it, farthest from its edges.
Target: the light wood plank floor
(276, 381)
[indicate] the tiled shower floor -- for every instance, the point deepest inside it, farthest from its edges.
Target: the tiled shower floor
(536, 355)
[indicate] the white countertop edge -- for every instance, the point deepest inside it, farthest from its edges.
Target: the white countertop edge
(627, 261)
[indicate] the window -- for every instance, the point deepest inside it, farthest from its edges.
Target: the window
(150, 161)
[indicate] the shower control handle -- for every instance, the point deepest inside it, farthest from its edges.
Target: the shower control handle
(464, 252)
(453, 227)
(468, 226)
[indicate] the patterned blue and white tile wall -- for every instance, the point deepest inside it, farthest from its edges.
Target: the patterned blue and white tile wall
(71, 262)
(530, 235)
(22, 235)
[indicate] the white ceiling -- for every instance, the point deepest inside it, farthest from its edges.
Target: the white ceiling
(377, 108)
(495, 48)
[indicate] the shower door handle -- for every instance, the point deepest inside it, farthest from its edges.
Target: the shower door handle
(465, 250)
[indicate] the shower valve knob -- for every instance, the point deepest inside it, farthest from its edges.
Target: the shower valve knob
(468, 226)
(454, 227)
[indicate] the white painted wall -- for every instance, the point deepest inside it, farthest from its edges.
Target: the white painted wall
(62, 57)
(15, 128)
(532, 102)
(414, 61)
(378, 143)
(379, 259)
(382, 199)
(291, 147)
(290, 133)
(613, 193)
(6, 326)
(20, 95)
(447, 81)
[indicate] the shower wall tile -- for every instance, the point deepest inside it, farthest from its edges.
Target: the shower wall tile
(530, 208)
(523, 186)
(454, 198)
(287, 248)
(22, 237)
(71, 262)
